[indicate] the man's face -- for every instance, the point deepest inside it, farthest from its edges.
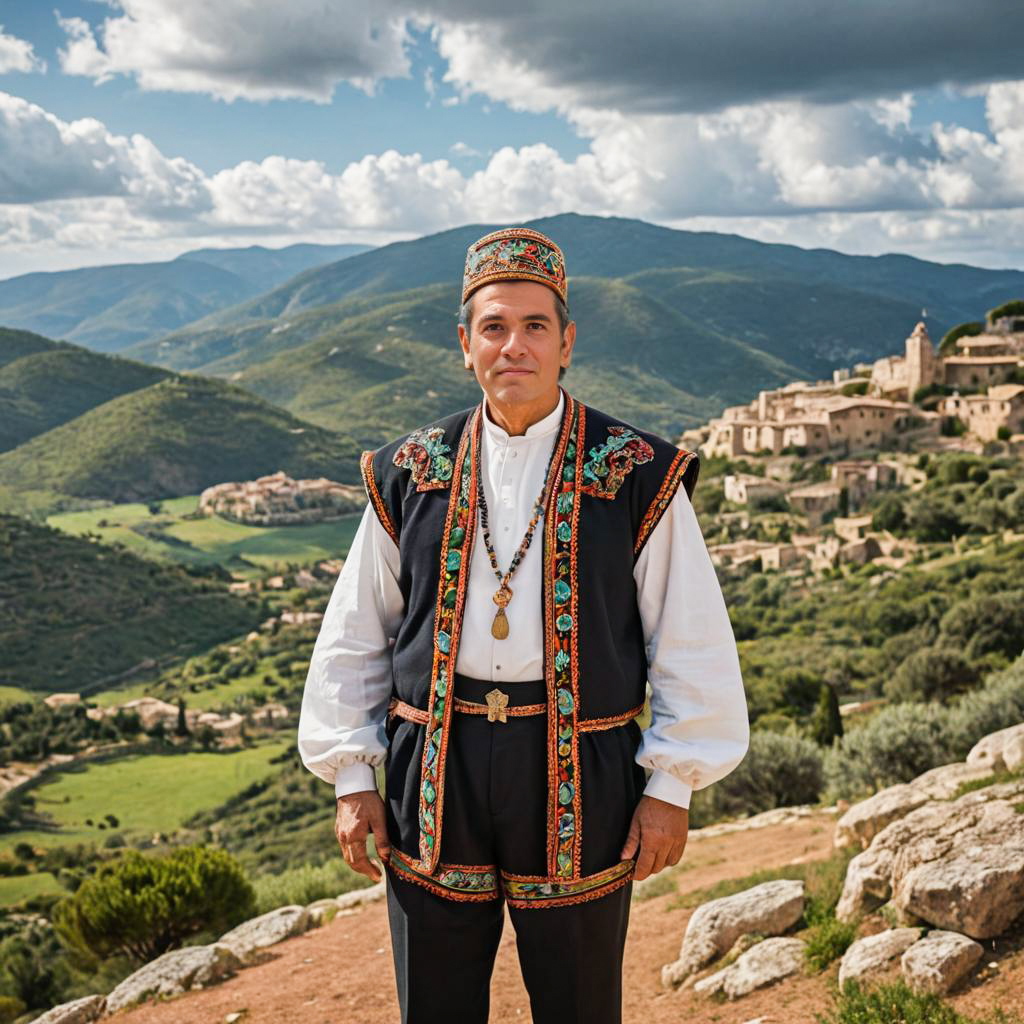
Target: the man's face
(514, 345)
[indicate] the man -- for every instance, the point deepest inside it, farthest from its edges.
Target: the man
(522, 571)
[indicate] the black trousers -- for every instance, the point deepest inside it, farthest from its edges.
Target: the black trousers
(495, 803)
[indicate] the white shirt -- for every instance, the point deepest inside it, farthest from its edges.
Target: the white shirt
(699, 728)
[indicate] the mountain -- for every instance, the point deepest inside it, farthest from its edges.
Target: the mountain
(62, 596)
(672, 324)
(614, 247)
(174, 437)
(46, 383)
(107, 308)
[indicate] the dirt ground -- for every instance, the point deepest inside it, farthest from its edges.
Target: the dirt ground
(343, 971)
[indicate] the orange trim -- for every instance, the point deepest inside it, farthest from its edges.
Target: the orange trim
(669, 486)
(370, 483)
(531, 892)
(410, 870)
(612, 722)
(421, 717)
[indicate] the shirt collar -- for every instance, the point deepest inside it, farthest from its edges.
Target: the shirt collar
(548, 425)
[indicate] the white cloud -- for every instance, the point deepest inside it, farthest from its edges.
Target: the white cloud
(17, 55)
(236, 49)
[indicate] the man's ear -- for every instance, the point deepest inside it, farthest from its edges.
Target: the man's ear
(464, 345)
(568, 341)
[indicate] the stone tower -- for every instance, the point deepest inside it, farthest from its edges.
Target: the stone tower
(921, 362)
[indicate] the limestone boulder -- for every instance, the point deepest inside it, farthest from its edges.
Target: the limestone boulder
(988, 751)
(942, 783)
(358, 897)
(956, 865)
(1013, 753)
(78, 1011)
(939, 961)
(864, 820)
(321, 912)
(767, 909)
(250, 938)
(764, 964)
(876, 954)
(173, 973)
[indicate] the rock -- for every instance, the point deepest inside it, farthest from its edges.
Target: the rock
(988, 751)
(957, 865)
(876, 953)
(322, 911)
(764, 964)
(767, 909)
(173, 973)
(1013, 753)
(942, 783)
(78, 1011)
(938, 961)
(357, 897)
(249, 938)
(864, 820)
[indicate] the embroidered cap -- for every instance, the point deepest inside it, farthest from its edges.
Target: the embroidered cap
(515, 254)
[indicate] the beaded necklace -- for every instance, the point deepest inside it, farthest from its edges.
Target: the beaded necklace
(499, 627)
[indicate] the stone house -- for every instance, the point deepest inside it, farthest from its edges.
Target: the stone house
(985, 415)
(851, 528)
(747, 489)
(61, 700)
(815, 501)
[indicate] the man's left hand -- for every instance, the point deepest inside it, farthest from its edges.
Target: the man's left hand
(658, 830)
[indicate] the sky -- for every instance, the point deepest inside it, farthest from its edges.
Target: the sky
(134, 130)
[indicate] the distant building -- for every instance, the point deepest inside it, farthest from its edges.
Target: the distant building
(747, 489)
(815, 501)
(61, 700)
(278, 500)
(1002, 408)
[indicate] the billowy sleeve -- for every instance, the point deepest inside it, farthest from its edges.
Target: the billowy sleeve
(699, 727)
(348, 686)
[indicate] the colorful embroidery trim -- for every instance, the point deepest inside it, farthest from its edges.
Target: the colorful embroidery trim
(675, 475)
(529, 891)
(565, 803)
(608, 464)
(468, 882)
(514, 254)
(456, 554)
(366, 466)
(426, 455)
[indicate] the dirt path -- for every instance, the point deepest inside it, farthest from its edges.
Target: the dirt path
(343, 971)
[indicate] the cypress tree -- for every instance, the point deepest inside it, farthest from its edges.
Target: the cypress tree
(827, 723)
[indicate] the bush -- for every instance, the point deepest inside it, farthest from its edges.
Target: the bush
(778, 771)
(143, 906)
(933, 673)
(10, 1009)
(998, 705)
(828, 940)
(897, 745)
(947, 346)
(990, 623)
(896, 1004)
(305, 884)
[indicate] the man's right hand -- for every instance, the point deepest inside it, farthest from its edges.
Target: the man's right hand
(359, 815)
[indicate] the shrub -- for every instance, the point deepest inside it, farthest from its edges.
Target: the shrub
(10, 1009)
(778, 771)
(828, 940)
(827, 723)
(306, 884)
(898, 744)
(986, 623)
(947, 346)
(933, 673)
(998, 705)
(143, 906)
(896, 1004)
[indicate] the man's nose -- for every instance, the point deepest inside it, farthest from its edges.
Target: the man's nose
(515, 342)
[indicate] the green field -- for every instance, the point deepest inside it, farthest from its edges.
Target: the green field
(169, 536)
(146, 793)
(25, 887)
(15, 695)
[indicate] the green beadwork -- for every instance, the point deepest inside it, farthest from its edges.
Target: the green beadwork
(563, 623)
(562, 592)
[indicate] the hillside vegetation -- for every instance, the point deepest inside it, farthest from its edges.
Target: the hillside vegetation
(175, 437)
(73, 612)
(46, 383)
(108, 307)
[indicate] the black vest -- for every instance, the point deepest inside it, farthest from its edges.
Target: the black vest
(609, 484)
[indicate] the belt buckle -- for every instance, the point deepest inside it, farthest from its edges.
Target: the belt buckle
(497, 702)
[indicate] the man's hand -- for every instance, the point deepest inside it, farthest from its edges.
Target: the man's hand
(658, 830)
(359, 815)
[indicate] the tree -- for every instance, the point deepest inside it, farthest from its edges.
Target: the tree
(827, 723)
(143, 906)
(182, 729)
(932, 674)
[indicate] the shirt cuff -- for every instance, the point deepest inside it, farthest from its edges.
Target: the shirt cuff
(354, 778)
(663, 786)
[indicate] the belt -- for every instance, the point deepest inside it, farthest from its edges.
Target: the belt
(498, 709)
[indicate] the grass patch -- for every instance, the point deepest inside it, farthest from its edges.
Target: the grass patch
(827, 940)
(995, 779)
(147, 793)
(17, 888)
(897, 1004)
(658, 885)
(305, 884)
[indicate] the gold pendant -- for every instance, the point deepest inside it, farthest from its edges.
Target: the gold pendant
(499, 627)
(497, 702)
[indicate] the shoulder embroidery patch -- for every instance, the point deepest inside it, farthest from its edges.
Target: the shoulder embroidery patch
(426, 455)
(608, 464)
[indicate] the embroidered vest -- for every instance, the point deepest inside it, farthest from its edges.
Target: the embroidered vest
(609, 485)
